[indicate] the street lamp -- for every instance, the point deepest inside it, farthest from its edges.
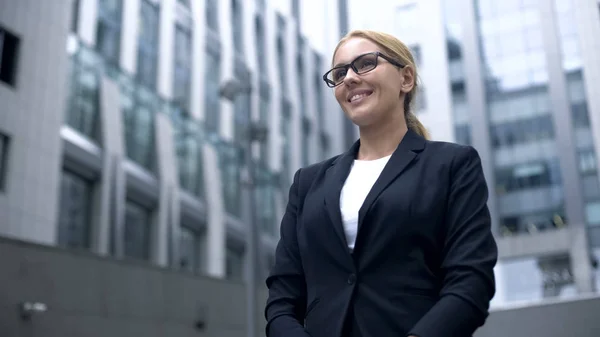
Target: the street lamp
(255, 132)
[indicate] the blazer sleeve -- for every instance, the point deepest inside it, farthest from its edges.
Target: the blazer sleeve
(286, 304)
(469, 255)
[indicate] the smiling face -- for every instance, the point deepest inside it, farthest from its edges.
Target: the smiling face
(374, 96)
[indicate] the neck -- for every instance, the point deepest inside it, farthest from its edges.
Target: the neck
(382, 139)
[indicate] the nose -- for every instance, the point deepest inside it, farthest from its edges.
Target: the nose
(351, 77)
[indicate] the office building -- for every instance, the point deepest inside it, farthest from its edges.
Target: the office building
(116, 135)
(519, 80)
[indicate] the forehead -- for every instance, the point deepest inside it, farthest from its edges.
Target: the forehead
(352, 48)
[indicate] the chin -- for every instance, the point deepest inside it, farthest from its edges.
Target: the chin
(360, 118)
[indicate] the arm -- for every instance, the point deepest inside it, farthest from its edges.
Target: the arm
(286, 304)
(469, 255)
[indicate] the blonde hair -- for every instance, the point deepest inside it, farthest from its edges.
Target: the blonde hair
(397, 50)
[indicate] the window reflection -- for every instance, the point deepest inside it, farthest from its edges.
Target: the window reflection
(74, 212)
(147, 61)
(533, 279)
(189, 250)
(188, 148)
(234, 264)
(526, 176)
(212, 79)
(182, 68)
(237, 25)
(533, 222)
(108, 31)
(211, 12)
(230, 159)
(84, 101)
(522, 131)
(137, 231)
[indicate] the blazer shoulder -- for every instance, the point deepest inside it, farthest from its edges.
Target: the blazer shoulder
(451, 151)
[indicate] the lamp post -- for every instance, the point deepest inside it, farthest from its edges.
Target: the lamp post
(253, 133)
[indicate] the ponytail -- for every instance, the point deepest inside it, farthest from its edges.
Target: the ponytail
(412, 122)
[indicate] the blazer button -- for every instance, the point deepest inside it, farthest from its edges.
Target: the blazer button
(352, 279)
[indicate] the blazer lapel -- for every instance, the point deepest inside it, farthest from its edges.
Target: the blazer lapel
(405, 153)
(335, 177)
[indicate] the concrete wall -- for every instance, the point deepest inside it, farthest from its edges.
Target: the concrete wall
(90, 296)
(87, 295)
(553, 319)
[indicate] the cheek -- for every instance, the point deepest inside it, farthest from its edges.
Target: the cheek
(340, 96)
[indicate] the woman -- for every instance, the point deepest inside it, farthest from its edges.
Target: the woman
(393, 237)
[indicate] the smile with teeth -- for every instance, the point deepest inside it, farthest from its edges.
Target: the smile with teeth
(359, 96)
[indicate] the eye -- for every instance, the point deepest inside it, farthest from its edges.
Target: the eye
(367, 62)
(338, 74)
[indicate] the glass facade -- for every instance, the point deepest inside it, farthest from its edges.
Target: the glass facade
(521, 117)
(212, 15)
(230, 161)
(454, 49)
(147, 55)
(234, 265)
(188, 149)
(265, 199)
(83, 106)
(212, 100)
(108, 31)
(190, 250)
(237, 26)
(74, 211)
(138, 106)
(182, 68)
(137, 231)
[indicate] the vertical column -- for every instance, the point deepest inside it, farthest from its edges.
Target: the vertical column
(477, 101)
(88, 11)
(563, 127)
(167, 224)
(166, 43)
(216, 233)
(129, 34)
(110, 196)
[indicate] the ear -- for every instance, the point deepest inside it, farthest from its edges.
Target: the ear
(408, 79)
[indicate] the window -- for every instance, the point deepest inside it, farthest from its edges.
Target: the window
(189, 250)
(74, 213)
(181, 73)
(9, 48)
(237, 29)
(306, 131)
(212, 17)
(139, 134)
(528, 176)
(522, 131)
(261, 55)
(137, 231)
(212, 80)
(4, 152)
(592, 213)
(148, 45)
(264, 120)
(108, 33)
(587, 161)
(234, 265)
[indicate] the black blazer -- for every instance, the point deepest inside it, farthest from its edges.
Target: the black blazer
(423, 257)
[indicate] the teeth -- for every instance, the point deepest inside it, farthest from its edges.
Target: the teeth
(355, 97)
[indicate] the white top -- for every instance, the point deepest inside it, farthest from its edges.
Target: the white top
(361, 179)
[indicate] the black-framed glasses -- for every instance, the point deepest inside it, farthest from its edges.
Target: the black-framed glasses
(360, 65)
